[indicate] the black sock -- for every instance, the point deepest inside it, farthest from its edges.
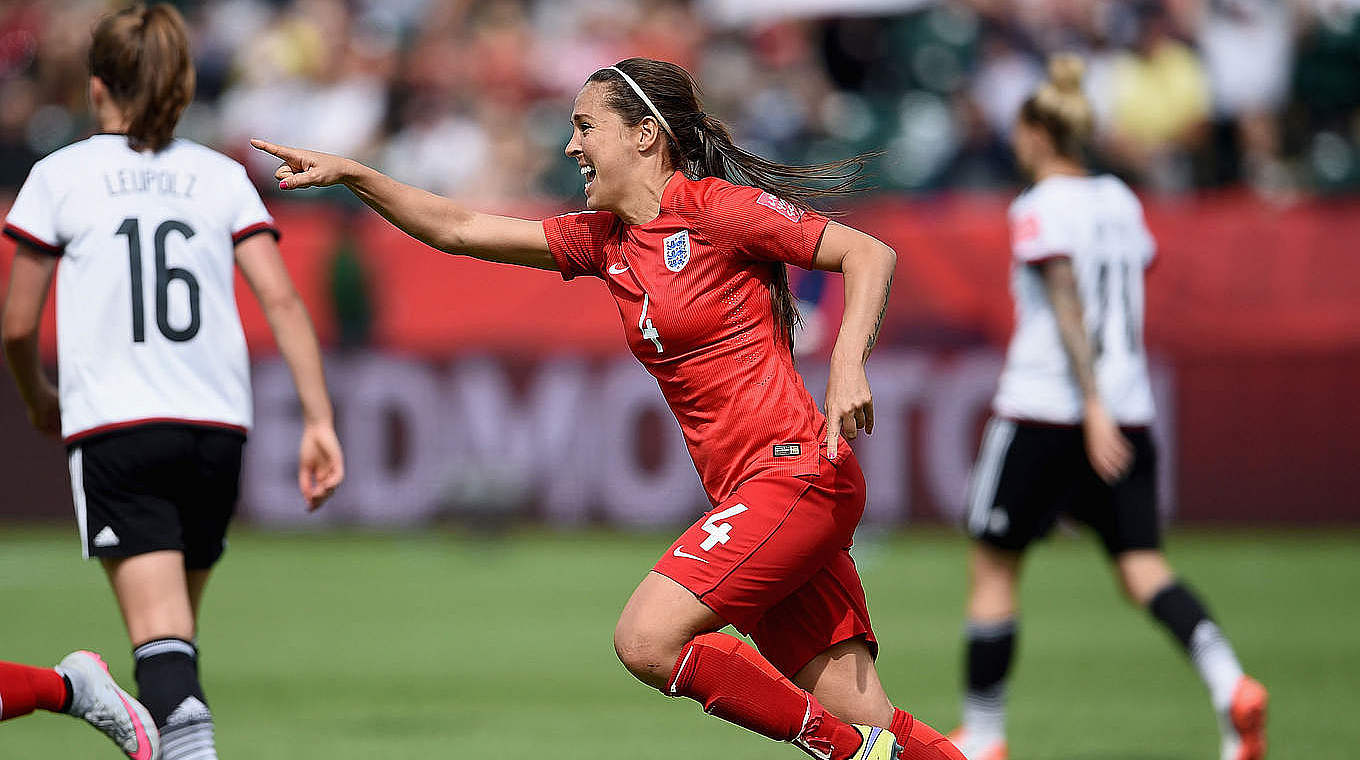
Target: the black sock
(990, 648)
(167, 676)
(1177, 608)
(988, 662)
(1181, 611)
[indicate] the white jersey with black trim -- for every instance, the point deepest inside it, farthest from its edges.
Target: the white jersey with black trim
(147, 326)
(1098, 223)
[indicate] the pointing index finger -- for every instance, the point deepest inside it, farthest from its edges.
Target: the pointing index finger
(269, 147)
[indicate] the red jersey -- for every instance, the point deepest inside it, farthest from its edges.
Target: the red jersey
(692, 288)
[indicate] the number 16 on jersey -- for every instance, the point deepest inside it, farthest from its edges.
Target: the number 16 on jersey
(131, 228)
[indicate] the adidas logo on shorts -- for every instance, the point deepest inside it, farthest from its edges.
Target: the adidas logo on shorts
(106, 537)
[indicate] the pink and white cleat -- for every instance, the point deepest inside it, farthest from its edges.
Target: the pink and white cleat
(97, 698)
(1244, 729)
(976, 747)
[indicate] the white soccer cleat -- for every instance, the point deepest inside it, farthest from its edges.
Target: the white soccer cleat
(97, 698)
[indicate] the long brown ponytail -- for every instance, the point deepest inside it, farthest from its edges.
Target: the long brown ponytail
(702, 147)
(142, 56)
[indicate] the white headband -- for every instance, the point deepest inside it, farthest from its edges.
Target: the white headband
(655, 111)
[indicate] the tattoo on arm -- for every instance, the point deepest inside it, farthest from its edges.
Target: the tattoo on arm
(878, 323)
(1061, 285)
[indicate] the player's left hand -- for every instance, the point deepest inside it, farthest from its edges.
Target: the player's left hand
(1110, 453)
(321, 464)
(849, 404)
(44, 411)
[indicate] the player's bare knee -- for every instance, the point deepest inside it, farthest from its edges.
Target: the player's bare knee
(645, 654)
(1142, 574)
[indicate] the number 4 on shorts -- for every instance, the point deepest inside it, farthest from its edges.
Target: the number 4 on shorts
(717, 530)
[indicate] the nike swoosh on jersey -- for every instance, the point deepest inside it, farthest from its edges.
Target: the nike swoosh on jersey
(686, 555)
(616, 269)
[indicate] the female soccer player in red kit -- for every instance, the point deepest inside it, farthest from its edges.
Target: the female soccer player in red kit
(691, 235)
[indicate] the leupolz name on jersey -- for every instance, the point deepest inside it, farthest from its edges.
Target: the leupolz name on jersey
(160, 181)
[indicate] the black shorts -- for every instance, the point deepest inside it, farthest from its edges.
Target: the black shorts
(1028, 475)
(156, 487)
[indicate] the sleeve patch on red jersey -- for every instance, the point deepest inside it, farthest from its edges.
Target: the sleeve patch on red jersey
(782, 206)
(1026, 229)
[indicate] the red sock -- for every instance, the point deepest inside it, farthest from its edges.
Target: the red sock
(24, 688)
(919, 741)
(732, 681)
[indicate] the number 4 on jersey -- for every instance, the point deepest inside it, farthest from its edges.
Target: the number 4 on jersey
(645, 325)
(718, 531)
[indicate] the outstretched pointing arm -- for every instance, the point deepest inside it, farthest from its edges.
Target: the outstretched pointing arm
(429, 218)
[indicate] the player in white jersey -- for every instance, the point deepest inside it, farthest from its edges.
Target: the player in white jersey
(1070, 431)
(154, 400)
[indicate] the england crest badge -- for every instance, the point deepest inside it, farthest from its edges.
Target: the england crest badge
(676, 250)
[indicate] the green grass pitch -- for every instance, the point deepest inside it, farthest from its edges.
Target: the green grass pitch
(454, 646)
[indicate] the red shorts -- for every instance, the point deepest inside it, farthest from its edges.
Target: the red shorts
(774, 561)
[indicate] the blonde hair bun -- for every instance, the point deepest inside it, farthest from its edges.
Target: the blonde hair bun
(1065, 71)
(1060, 106)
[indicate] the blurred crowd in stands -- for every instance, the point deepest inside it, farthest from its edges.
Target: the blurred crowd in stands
(471, 98)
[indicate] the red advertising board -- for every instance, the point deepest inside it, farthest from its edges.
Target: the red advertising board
(1253, 311)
